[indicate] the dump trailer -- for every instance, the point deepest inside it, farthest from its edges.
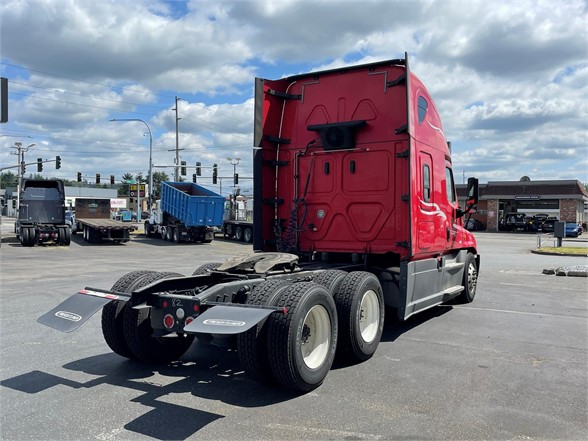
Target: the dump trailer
(94, 221)
(355, 210)
(186, 212)
(238, 219)
(41, 213)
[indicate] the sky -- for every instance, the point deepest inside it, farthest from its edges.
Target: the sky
(509, 78)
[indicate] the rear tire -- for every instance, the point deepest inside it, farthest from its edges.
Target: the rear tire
(113, 316)
(248, 235)
(252, 344)
(176, 235)
(331, 279)
(360, 308)
(206, 268)
(169, 233)
(302, 341)
(139, 333)
(239, 234)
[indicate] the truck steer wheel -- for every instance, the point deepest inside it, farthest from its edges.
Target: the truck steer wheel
(139, 333)
(113, 317)
(302, 341)
(470, 280)
(360, 308)
(252, 344)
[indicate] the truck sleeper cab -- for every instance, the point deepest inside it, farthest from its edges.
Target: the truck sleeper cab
(355, 208)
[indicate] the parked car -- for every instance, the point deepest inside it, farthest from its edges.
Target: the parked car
(125, 215)
(534, 222)
(70, 219)
(573, 229)
(474, 225)
(548, 225)
(512, 222)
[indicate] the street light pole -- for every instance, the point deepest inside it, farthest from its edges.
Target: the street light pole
(150, 158)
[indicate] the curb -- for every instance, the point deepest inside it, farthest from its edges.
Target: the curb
(549, 253)
(564, 272)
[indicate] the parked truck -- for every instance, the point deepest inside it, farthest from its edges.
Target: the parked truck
(186, 212)
(41, 213)
(355, 210)
(93, 219)
(238, 219)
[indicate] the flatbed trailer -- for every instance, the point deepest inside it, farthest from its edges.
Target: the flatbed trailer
(94, 221)
(96, 230)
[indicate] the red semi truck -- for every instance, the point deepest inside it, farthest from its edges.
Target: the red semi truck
(355, 210)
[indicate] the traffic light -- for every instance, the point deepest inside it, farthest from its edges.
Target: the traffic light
(97, 178)
(214, 173)
(57, 162)
(183, 168)
(79, 176)
(236, 178)
(111, 179)
(194, 178)
(198, 169)
(39, 165)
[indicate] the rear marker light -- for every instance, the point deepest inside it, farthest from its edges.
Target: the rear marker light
(168, 321)
(189, 320)
(196, 308)
(164, 304)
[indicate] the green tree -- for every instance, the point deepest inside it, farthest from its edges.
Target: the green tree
(7, 179)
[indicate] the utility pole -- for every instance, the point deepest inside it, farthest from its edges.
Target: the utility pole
(20, 151)
(177, 160)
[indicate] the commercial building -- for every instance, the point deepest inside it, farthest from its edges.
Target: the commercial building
(565, 200)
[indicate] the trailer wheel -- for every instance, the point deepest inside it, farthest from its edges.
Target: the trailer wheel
(138, 331)
(252, 344)
(360, 307)
(239, 234)
(176, 235)
(302, 341)
(113, 317)
(206, 268)
(331, 279)
(248, 235)
(470, 280)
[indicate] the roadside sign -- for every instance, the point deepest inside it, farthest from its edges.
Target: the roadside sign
(133, 190)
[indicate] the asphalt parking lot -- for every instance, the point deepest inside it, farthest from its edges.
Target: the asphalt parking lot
(511, 365)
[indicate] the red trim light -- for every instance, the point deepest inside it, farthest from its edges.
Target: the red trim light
(168, 321)
(196, 307)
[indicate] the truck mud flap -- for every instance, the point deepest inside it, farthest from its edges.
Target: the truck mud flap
(228, 319)
(73, 312)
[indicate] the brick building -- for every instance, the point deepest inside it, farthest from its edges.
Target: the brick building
(565, 200)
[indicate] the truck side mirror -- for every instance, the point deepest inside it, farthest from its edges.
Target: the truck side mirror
(473, 195)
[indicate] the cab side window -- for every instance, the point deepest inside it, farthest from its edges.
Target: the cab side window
(450, 187)
(426, 183)
(423, 106)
